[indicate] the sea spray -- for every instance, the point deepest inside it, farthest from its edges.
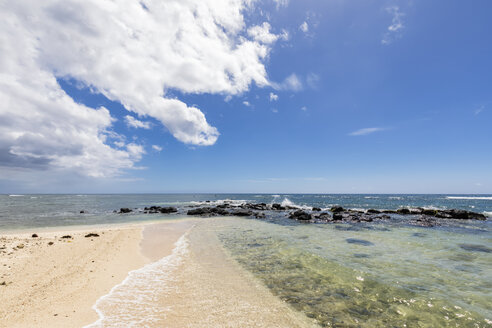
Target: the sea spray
(133, 301)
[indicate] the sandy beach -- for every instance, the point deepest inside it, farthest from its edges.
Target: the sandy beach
(52, 281)
(56, 278)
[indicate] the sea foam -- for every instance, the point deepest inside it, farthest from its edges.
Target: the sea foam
(470, 197)
(133, 301)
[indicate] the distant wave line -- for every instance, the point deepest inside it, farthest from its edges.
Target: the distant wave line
(469, 197)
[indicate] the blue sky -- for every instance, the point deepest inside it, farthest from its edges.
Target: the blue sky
(384, 97)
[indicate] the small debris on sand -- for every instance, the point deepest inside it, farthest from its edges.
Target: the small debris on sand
(91, 235)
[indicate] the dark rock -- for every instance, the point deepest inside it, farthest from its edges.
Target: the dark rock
(337, 216)
(300, 215)
(323, 216)
(373, 211)
(278, 207)
(125, 210)
(337, 209)
(199, 211)
(430, 212)
(242, 213)
(83, 212)
(316, 209)
(67, 237)
(403, 211)
(91, 235)
(465, 215)
(50, 243)
(359, 242)
(476, 248)
(34, 235)
(166, 210)
(389, 212)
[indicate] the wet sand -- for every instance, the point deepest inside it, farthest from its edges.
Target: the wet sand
(197, 285)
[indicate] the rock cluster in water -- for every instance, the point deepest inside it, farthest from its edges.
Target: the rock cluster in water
(420, 216)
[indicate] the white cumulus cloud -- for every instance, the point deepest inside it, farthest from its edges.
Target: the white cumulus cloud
(132, 52)
(134, 123)
(273, 97)
(157, 148)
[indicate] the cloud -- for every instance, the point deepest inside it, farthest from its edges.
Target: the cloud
(312, 80)
(261, 33)
(394, 30)
(365, 131)
(157, 148)
(281, 3)
(246, 103)
(133, 53)
(304, 27)
(291, 83)
(134, 123)
(273, 97)
(479, 110)
(304, 108)
(274, 110)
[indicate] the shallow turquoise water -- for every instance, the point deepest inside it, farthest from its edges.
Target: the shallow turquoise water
(377, 276)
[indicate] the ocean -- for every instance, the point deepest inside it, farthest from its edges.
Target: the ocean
(388, 273)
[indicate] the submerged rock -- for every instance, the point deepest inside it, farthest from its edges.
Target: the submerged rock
(476, 248)
(359, 242)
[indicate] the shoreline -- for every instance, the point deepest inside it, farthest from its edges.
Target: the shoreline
(91, 281)
(51, 281)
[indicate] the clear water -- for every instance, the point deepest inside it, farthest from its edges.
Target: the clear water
(381, 274)
(392, 276)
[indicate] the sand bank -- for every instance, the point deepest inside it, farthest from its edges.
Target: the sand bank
(133, 274)
(51, 281)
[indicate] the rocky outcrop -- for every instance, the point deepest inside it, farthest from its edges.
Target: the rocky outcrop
(300, 215)
(442, 214)
(159, 209)
(125, 210)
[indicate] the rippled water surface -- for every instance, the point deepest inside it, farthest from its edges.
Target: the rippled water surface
(372, 275)
(380, 274)
(26, 211)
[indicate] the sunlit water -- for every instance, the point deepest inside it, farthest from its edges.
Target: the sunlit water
(386, 274)
(370, 276)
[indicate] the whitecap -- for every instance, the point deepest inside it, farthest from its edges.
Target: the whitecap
(488, 214)
(16, 195)
(470, 197)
